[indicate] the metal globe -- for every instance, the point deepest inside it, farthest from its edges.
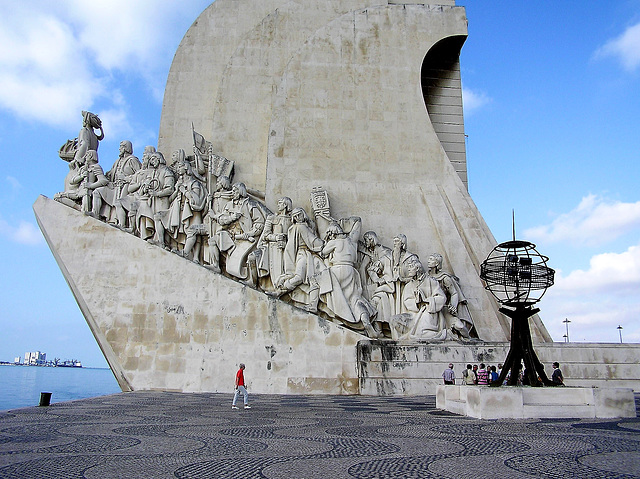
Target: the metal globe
(516, 274)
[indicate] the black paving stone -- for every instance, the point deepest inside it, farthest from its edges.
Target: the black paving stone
(172, 435)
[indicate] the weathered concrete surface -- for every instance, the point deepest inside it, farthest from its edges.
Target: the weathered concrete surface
(330, 93)
(390, 368)
(166, 323)
(485, 402)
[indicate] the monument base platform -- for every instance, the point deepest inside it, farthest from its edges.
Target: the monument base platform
(516, 402)
(412, 368)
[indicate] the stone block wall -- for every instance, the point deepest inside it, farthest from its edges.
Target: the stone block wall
(392, 368)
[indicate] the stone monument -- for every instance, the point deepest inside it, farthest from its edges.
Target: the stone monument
(307, 199)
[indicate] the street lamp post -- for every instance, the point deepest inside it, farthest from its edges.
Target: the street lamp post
(619, 328)
(566, 323)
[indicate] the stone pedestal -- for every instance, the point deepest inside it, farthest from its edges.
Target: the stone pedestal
(484, 402)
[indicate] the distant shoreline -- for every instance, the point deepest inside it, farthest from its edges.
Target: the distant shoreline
(6, 363)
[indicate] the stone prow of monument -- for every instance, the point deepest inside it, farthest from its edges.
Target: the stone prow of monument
(360, 97)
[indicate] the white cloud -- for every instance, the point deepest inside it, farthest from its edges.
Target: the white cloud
(43, 75)
(592, 318)
(473, 100)
(625, 48)
(28, 233)
(116, 122)
(597, 300)
(25, 233)
(609, 274)
(594, 221)
(59, 58)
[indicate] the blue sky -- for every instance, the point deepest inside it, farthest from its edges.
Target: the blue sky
(551, 109)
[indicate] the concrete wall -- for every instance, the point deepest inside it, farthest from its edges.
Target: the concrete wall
(166, 323)
(390, 368)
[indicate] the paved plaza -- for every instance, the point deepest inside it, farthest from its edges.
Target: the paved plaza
(176, 435)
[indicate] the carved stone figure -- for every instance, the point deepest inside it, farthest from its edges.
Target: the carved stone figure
(74, 152)
(376, 269)
(422, 304)
(301, 265)
(87, 138)
(127, 205)
(458, 317)
(119, 176)
(90, 176)
(242, 221)
(343, 298)
(70, 196)
(155, 185)
(208, 164)
(401, 258)
(185, 212)
(217, 199)
(269, 254)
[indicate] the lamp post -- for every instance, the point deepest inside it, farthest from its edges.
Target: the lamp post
(566, 323)
(619, 328)
(566, 338)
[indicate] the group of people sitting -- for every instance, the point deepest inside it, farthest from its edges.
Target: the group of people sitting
(485, 375)
(191, 207)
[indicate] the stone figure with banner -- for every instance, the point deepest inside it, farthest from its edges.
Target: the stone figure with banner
(207, 163)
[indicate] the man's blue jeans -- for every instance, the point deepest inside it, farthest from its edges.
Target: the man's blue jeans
(241, 390)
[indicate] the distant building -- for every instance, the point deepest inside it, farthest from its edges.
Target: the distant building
(17, 360)
(35, 358)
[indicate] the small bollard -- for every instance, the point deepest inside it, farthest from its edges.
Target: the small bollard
(45, 399)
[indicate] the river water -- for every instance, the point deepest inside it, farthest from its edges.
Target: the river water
(20, 386)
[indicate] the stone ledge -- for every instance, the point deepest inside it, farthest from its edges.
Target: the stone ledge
(484, 402)
(412, 368)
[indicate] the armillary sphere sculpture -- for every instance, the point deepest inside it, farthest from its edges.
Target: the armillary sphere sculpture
(518, 276)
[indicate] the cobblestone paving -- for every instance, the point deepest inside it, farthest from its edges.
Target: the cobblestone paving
(172, 435)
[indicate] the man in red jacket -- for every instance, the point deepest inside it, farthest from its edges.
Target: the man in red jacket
(240, 388)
